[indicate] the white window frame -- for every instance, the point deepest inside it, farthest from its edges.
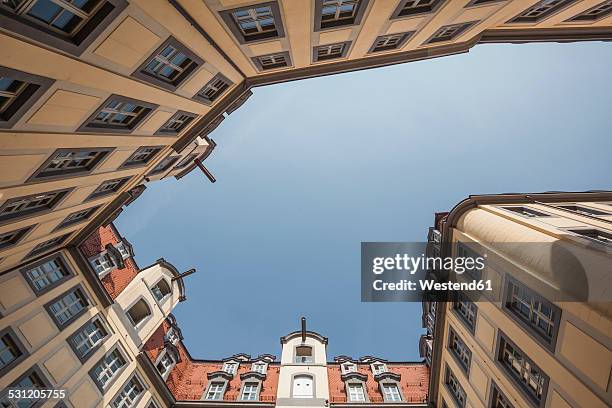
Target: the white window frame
(377, 371)
(355, 396)
(262, 370)
(123, 399)
(348, 367)
(111, 368)
(215, 389)
(106, 264)
(85, 336)
(391, 392)
(164, 358)
(172, 336)
(230, 367)
(120, 246)
(252, 390)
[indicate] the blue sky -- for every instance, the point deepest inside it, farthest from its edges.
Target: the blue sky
(308, 170)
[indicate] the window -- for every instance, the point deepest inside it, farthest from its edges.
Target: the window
(348, 368)
(303, 354)
(594, 13)
(466, 310)
(459, 350)
(455, 388)
(378, 368)
(498, 399)
(230, 368)
(464, 251)
(172, 336)
(165, 364)
(102, 263)
(526, 211)
(449, 32)
(522, 370)
(249, 392)
(187, 160)
(176, 123)
(11, 350)
(161, 290)
(118, 114)
(602, 237)
(584, 210)
(88, 338)
(213, 89)
(77, 216)
(18, 92)
(138, 312)
(272, 61)
(537, 314)
(356, 393)
(107, 368)
(259, 368)
(414, 7)
(108, 187)
(66, 162)
(46, 274)
(142, 156)
(254, 23)
(215, 391)
(129, 395)
(123, 250)
(47, 245)
(331, 51)
(541, 11)
(390, 42)
(32, 380)
(338, 13)
(68, 307)
(164, 165)
(8, 239)
(391, 392)
(303, 386)
(20, 207)
(169, 65)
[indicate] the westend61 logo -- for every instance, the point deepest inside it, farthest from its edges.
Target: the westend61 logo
(403, 272)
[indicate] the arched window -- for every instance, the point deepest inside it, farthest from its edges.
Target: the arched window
(303, 386)
(161, 290)
(138, 312)
(303, 354)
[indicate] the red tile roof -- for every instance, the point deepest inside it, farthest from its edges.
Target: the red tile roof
(414, 382)
(118, 279)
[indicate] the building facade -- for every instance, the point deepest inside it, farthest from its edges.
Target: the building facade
(525, 346)
(100, 97)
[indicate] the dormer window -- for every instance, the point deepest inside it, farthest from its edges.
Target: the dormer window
(139, 312)
(348, 368)
(165, 365)
(303, 354)
(161, 290)
(259, 368)
(230, 367)
(172, 336)
(356, 392)
(125, 254)
(215, 391)
(391, 392)
(102, 263)
(379, 368)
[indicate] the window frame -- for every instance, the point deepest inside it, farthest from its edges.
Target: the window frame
(463, 27)
(295, 354)
(142, 384)
(582, 17)
(517, 19)
(142, 322)
(228, 19)
(127, 165)
(502, 338)
(494, 392)
(61, 195)
(376, 372)
(165, 131)
(452, 334)
(403, 40)
(537, 213)
(387, 382)
(61, 259)
(35, 369)
(72, 338)
(160, 358)
(85, 297)
(19, 235)
(346, 45)
(103, 17)
(212, 382)
(43, 247)
(104, 153)
(257, 390)
(88, 126)
(8, 331)
(207, 101)
(167, 165)
(257, 62)
(396, 13)
(90, 211)
(196, 63)
(166, 296)
(462, 318)
(33, 91)
(447, 377)
(551, 344)
(319, 25)
(364, 389)
(94, 195)
(115, 349)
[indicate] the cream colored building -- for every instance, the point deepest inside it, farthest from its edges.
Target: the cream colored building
(525, 344)
(99, 98)
(61, 329)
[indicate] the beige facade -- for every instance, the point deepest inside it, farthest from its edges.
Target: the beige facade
(532, 342)
(102, 100)
(60, 334)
